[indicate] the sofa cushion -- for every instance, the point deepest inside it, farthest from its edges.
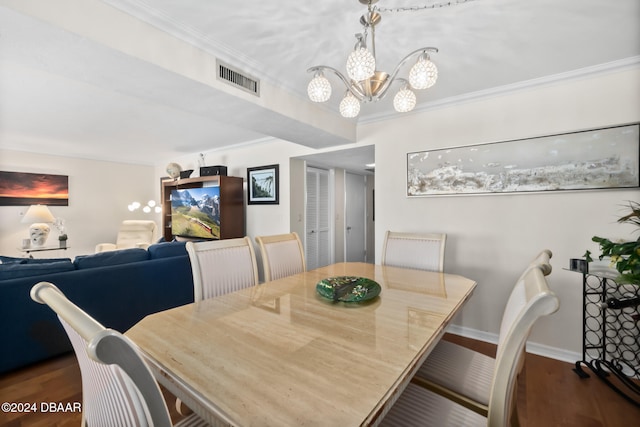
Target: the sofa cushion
(17, 270)
(45, 260)
(103, 259)
(13, 260)
(167, 249)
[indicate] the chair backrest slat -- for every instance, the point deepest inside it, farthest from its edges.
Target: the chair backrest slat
(222, 266)
(282, 255)
(414, 250)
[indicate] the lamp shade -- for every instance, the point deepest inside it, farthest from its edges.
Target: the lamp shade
(37, 213)
(423, 74)
(361, 64)
(349, 106)
(404, 101)
(319, 89)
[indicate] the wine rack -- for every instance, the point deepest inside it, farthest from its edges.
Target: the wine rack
(610, 333)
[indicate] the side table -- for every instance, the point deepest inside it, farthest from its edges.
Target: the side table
(28, 251)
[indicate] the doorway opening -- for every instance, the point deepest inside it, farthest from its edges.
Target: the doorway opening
(332, 205)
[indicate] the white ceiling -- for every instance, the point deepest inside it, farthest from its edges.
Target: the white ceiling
(67, 88)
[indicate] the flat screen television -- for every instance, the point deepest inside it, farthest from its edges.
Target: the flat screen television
(195, 213)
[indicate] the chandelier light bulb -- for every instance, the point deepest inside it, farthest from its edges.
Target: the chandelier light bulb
(349, 106)
(319, 88)
(423, 74)
(361, 64)
(404, 101)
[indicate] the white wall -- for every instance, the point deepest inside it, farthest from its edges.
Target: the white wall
(99, 193)
(491, 238)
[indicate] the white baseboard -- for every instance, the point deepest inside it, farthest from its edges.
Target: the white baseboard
(532, 347)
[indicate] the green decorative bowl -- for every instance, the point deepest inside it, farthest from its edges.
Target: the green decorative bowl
(348, 289)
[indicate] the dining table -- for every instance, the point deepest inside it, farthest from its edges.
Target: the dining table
(281, 354)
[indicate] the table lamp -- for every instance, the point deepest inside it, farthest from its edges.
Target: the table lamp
(38, 215)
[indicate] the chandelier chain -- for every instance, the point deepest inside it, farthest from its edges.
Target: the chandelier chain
(424, 7)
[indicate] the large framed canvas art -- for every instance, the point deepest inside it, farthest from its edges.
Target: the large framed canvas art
(605, 158)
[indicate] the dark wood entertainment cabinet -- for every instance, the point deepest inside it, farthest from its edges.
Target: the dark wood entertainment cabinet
(232, 222)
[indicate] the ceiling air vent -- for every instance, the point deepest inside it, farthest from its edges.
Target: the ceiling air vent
(238, 79)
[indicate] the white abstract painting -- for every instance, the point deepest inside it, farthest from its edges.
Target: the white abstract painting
(587, 160)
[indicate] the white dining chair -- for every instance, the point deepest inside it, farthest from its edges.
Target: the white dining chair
(418, 406)
(222, 266)
(282, 255)
(464, 375)
(414, 250)
(118, 388)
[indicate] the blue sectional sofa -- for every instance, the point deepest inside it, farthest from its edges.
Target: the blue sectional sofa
(117, 288)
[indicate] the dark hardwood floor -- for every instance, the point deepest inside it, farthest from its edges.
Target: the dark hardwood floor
(549, 394)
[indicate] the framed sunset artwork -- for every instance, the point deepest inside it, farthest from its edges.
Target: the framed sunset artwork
(25, 189)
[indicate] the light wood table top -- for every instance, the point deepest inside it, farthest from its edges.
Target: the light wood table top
(278, 354)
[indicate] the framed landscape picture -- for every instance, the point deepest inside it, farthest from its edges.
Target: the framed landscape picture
(595, 159)
(262, 185)
(25, 189)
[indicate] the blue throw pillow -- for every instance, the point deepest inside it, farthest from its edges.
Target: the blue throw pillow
(103, 259)
(167, 249)
(17, 270)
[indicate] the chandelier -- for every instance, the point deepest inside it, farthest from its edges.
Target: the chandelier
(365, 83)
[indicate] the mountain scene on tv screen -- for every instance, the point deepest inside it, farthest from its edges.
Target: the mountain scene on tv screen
(196, 212)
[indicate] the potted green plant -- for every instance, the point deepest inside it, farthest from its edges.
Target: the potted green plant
(625, 256)
(62, 237)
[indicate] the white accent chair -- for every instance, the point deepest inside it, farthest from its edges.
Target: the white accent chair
(282, 255)
(414, 250)
(417, 406)
(222, 266)
(118, 389)
(133, 233)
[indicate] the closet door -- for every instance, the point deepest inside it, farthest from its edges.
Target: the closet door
(317, 211)
(355, 218)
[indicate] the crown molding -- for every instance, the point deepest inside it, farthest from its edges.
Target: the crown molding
(595, 70)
